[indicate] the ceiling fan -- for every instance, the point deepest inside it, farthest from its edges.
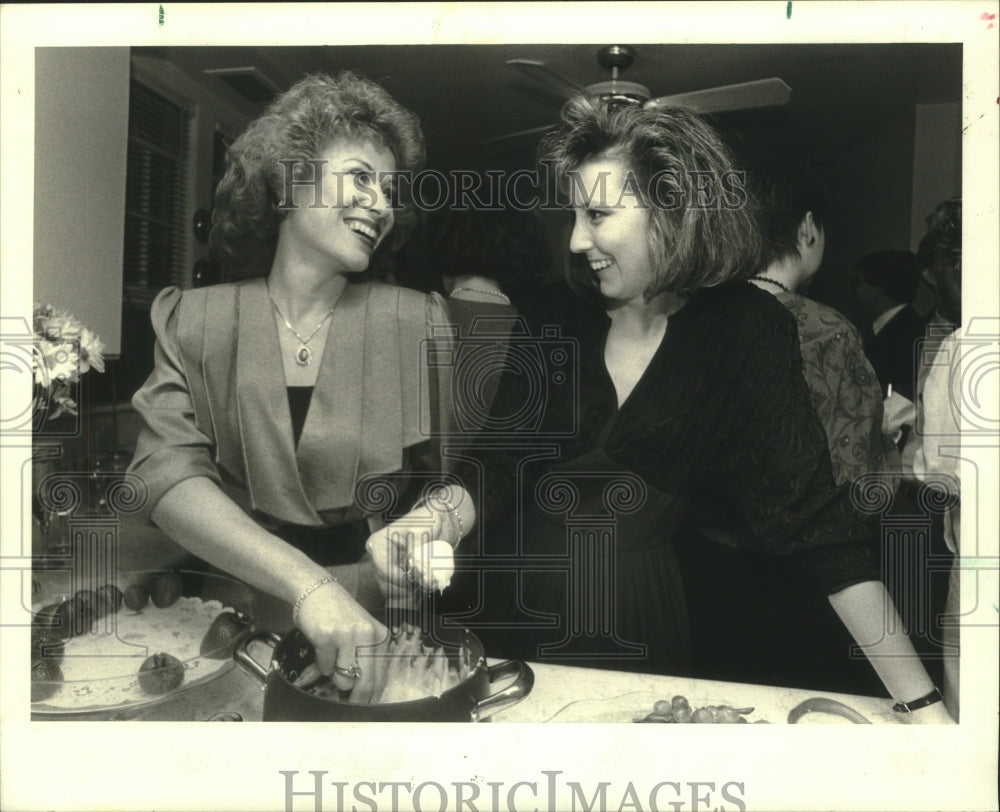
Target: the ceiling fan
(759, 93)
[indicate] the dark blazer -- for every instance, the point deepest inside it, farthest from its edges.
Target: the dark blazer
(216, 404)
(893, 351)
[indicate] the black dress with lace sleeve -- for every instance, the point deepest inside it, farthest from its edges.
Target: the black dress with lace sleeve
(716, 449)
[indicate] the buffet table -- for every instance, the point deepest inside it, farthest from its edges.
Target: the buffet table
(561, 694)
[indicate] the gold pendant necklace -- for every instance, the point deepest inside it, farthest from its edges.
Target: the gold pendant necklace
(303, 355)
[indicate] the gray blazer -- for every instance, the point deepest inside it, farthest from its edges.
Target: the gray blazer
(216, 404)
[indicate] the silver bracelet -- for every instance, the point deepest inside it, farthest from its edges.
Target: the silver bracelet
(452, 510)
(329, 579)
(438, 495)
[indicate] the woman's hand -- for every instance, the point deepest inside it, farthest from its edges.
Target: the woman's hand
(897, 412)
(350, 644)
(391, 549)
(411, 552)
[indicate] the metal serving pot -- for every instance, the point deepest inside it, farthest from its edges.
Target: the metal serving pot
(469, 701)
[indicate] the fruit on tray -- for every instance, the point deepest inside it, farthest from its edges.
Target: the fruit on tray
(46, 676)
(47, 643)
(223, 635)
(136, 597)
(160, 673)
(679, 710)
(167, 588)
(74, 616)
(109, 598)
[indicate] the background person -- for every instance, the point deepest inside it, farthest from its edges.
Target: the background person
(487, 262)
(844, 388)
(932, 451)
(886, 283)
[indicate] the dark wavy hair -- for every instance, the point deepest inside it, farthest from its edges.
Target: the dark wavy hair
(298, 126)
(894, 270)
(944, 235)
(508, 246)
(784, 191)
(691, 245)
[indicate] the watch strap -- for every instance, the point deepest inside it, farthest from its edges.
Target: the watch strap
(917, 704)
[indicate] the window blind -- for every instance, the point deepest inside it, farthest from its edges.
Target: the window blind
(157, 209)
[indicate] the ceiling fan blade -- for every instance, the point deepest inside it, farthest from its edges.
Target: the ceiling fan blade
(744, 96)
(520, 135)
(540, 72)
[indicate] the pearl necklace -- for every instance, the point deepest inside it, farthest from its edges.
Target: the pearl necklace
(484, 291)
(303, 355)
(774, 282)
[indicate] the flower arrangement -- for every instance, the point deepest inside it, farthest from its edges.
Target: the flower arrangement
(63, 349)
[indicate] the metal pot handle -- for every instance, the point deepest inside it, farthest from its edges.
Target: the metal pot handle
(513, 693)
(246, 662)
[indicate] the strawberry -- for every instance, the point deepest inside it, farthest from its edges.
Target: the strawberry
(73, 617)
(46, 677)
(136, 597)
(223, 634)
(160, 673)
(93, 609)
(167, 588)
(109, 598)
(47, 643)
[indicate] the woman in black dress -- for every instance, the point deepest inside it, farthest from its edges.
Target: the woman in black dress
(689, 414)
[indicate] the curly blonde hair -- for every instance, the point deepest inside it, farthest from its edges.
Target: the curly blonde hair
(298, 126)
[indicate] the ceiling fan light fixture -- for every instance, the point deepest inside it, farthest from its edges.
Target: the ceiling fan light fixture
(620, 91)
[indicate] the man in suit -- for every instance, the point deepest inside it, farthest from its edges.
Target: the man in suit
(886, 284)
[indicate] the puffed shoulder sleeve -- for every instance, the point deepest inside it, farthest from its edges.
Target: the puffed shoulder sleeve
(441, 346)
(782, 475)
(170, 447)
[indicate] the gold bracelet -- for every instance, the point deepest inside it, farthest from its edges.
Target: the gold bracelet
(329, 579)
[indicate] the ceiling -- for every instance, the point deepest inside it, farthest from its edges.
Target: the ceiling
(466, 93)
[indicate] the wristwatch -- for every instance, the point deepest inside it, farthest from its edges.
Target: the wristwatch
(917, 704)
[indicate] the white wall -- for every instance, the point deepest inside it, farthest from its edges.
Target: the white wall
(81, 132)
(882, 190)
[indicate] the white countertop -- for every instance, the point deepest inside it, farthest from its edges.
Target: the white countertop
(567, 694)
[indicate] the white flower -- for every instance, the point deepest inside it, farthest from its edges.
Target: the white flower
(60, 361)
(63, 350)
(91, 351)
(62, 325)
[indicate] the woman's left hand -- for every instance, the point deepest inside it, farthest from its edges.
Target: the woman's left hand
(407, 558)
(391, 550)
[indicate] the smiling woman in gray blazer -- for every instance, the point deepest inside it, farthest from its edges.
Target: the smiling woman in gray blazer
(276, 400)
